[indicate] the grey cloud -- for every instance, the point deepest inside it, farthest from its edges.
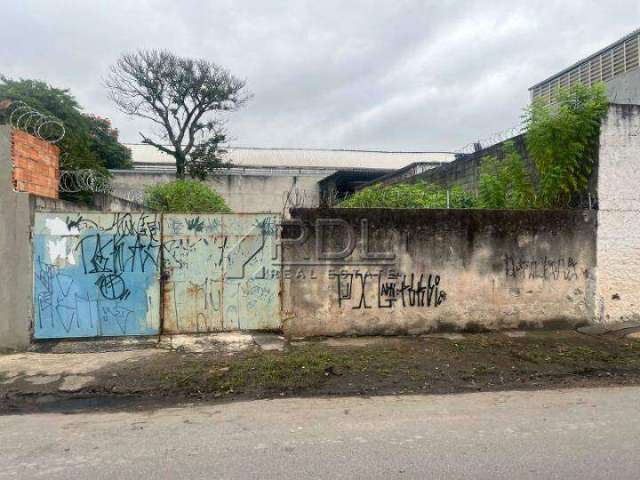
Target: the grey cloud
(403, 74)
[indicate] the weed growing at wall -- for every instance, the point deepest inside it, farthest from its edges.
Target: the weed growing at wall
(184, 196)
(561, 142)
(506, 183)
(561, 145)
(415, 195)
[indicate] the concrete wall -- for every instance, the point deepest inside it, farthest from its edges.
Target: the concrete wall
(105, 202)
(302, 158)
(15, 255)
(619, 215)
(403, 174)
(442, 269)
(101, 202)
(625, 88)
(244, 193)
(465, 170)
(447, 270)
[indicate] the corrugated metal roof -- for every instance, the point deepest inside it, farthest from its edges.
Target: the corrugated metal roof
(589, 58)
(300, 158)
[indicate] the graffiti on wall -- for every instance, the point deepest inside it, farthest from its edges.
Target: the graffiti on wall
(219, 273)
(387, 289)
(99, 274)
(96, 275)
(544, 268)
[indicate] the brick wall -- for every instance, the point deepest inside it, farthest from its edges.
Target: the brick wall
(35, 165)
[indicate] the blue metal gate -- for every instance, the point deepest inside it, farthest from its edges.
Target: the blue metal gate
(96, 274)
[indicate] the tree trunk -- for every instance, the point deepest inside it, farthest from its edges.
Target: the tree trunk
(180, 166)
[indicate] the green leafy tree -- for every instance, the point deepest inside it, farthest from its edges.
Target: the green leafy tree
(562, 141)
(184, 196)
(103, 141)
(182, 97)
(409, 195)
(89, 143)
(206, 158)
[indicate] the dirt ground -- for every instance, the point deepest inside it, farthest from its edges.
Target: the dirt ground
(349, 366)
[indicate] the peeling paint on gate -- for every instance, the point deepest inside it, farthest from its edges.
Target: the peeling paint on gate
(219, 274)
(96, 274)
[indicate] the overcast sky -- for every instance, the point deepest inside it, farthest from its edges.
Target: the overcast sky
(396, 74)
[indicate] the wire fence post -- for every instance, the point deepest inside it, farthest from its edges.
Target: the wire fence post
(448, 200)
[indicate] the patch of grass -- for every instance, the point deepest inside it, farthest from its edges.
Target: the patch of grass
(409, 364)
(299, 369)
(481, 343)
(296, 370)
(484, 369)
(533, 353)
(562, 354)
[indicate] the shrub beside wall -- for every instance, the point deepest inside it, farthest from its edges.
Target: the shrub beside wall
(414, 195)
(184, 196)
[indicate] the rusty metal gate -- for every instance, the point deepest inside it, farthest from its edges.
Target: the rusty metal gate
(96, 274)
(219, 273)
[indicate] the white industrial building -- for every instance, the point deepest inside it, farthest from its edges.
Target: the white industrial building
(274, 179)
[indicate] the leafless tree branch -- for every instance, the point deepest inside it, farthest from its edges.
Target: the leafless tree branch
(182, 95)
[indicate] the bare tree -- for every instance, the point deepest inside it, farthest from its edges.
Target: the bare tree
(182, 96)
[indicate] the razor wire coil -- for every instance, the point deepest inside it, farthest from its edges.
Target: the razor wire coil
(28, 119)
(491, 140)
(83, 180)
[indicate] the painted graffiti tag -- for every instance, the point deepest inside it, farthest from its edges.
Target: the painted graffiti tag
(544, 268)
(219, 274)
(195, 224)
(389, 289)
(95, 274)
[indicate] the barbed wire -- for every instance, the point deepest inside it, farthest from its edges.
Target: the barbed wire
(83, 180)
(91, 181)
(28, 119)
(491, 140)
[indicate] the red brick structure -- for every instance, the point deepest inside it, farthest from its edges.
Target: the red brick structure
(36, 165)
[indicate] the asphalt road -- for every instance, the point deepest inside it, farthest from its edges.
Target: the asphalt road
(575, 434)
